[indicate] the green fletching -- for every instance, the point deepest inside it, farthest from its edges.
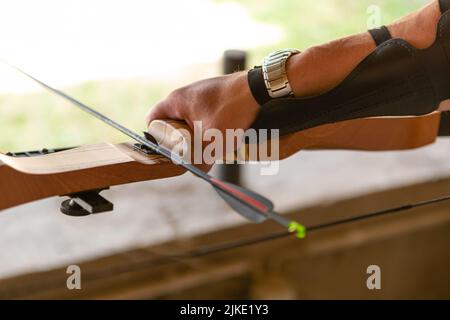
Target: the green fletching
(299, 229)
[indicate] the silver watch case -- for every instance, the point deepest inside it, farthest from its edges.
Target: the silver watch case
(274, 72)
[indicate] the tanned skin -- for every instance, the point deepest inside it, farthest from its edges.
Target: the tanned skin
(217, 101)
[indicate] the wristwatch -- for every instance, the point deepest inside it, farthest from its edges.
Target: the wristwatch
(270, 80)
(274, 73)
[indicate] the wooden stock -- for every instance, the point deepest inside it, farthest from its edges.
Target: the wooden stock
(24, 180)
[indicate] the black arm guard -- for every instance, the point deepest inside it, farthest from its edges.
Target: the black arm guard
(396, 79)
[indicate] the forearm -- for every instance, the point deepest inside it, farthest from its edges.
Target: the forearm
(320, 68)
(227, 102)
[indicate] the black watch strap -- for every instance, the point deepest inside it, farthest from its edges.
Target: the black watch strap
(257, 86)
(444, 5)
(380, 35)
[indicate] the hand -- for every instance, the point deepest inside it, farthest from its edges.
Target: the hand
(223, 103)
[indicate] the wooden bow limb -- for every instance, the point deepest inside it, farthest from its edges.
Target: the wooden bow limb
(103, 165)
(369, 134)
(84, 168)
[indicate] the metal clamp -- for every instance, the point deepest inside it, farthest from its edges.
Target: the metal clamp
(85, 203)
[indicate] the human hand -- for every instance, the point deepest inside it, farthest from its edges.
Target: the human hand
(222, 103)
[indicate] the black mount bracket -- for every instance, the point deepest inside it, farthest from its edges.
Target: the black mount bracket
(85, 203)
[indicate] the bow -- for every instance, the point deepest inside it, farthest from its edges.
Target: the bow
(82, 173)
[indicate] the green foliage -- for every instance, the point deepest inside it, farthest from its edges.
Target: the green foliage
(306, 23)
(37, 120)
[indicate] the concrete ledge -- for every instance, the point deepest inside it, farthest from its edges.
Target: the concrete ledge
(411, 248)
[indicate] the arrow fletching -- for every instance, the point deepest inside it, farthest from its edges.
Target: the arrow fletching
(253, 206)
(248, 204)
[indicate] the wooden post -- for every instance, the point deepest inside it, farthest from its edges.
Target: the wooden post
(233, 60)
(444, 130)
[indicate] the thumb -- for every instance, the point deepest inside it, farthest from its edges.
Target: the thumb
(160, 112)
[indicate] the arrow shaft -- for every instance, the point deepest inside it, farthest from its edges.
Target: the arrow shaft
(243, 196)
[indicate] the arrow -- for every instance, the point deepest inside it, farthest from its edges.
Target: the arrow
(248, 204)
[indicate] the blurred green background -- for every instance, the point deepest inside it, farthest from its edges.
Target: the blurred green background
(38, 119)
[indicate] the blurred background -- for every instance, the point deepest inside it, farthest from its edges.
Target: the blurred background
(122, 57)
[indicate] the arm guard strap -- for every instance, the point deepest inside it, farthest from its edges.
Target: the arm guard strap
(396, 79)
